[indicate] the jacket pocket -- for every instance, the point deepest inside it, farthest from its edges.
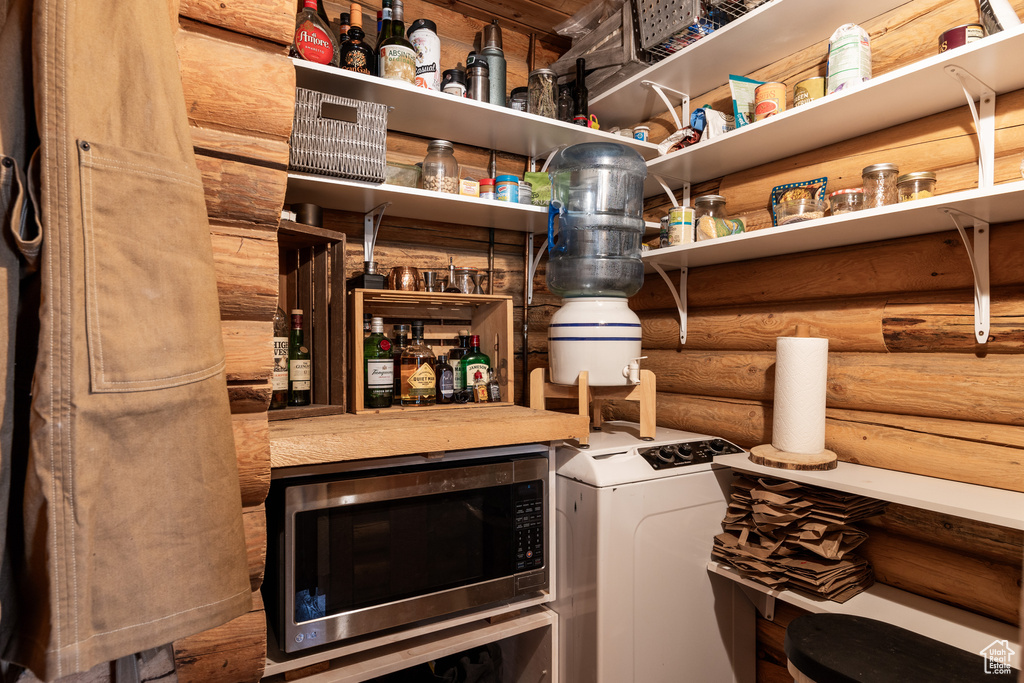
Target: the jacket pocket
(152, 313)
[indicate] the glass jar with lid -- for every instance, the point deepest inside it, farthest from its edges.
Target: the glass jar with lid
(709, 205)
(543, 93)
(845, 201)
(440, 169)
(879, 182)
(913, 186)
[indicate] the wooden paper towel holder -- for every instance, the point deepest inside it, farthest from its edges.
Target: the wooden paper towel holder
(770, 456)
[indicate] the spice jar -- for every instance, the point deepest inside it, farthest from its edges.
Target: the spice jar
(845, 201)
(915, 186)
(879, 185)
(518, 98)
(440, 169)
(479, 84)
(543, 93)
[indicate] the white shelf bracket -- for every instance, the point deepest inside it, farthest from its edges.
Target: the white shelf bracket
(763, 602)
(672, 195)
(684, 103)
(984, 121)
(370, 228)
(978, 256)
(533, 266)
(679, 296)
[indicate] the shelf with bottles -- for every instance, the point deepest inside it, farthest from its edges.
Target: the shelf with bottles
(438, 115)
(443, 314)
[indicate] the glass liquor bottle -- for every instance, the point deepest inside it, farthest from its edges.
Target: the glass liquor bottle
(344, 24)
(378, 368)
(581, 98)
(314, 39)
(418, 375)
(454, 357)
(279, 377)
(399, 340)
(397, 56)
(357, 55)
(493, 388)
(300, 366)
(444, 383)
(475, 365)
(383, 27)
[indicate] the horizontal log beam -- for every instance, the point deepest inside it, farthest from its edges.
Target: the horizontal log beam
(248, 348)
(246, 264)
(232, 653)
(272, 20)
(252, 446)
(249, 397)
(224, 144)
(254, 522)
(240, 191)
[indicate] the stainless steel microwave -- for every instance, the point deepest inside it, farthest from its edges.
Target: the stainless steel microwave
(386, 543)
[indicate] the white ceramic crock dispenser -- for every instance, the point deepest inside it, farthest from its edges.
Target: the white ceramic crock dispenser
(594, 261)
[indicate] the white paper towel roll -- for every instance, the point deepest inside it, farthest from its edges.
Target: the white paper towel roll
(801, 376)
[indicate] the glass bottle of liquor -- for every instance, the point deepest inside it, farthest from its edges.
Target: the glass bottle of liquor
(300, 366)
(378, 368)
(357, 55)
(314, 38)
(493, 389)
(455, 356)
(396, 53)
(383, 26)
(418, 374)
(444, 383)
(479, 386)
(344, 23)
(399, 340)
(475, 365)
(368, 325)
(581, 97)
(279, 377)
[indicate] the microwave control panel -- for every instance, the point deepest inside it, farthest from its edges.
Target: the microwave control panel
(528, 525)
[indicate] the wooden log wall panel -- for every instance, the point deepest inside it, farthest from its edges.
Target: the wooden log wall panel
(236, 87)
(976, 453)
(961, 386)
(242, 192)
(969, 537)
(246, 263)
(272, 20)
(254, 521)
(771, 638)
(249, 397)
(945, 574)
(904, 266)
(231, 653)
(252, 444)
(944, 321)
(247, 345)
(225, 144)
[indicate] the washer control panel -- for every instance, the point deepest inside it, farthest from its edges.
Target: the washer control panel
(686, 453)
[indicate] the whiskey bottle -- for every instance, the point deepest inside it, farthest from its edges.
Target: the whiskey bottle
(397, 56)
(418, 376)
(493, 389)
(455, 356)
(357, 55)
(479, 385)
(314, 38)
(444, 384)
(300, 366)
(399, 340)
(279, 376)
(378, 368)
(475, 365)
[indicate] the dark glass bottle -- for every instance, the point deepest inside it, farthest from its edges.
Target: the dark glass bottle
(397, 56)
(300, 366)
(445, 382)
(475, 365)
(357, 55)
(581, 97)
(383, 28)
(378, 368)
(399, 341)
(344, 24)
(279, 381)
(454, 356)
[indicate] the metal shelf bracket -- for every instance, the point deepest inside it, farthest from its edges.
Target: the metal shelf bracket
(370, 228)
(685, 102)
(978, 256)
(763, 602)
(679, 296)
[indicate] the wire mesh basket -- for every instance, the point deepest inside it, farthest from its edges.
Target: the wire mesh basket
(338, 136)
(667, 26)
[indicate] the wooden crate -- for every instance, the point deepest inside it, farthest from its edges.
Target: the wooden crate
(313, 279)
(443, 315)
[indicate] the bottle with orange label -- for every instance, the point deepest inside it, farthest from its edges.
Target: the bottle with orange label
(314, 39)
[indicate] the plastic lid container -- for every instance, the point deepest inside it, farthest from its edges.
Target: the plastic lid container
(845, 201)
(920, 185)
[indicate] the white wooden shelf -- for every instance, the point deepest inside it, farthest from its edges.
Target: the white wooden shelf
(406, 202)
(936, 620)
(458, 119)
(906, 94)
(970, 501)
(760, 37)
(999, 204)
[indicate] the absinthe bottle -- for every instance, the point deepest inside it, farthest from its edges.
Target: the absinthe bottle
(300, 366)
(379, 375)
(279, 378)
(314, 39)
(397, 55)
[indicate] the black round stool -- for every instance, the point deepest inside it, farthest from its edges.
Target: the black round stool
(841, 648)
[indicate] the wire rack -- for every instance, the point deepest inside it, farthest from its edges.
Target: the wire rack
(667, 26)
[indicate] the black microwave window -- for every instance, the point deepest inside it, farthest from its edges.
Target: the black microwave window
(358, 556)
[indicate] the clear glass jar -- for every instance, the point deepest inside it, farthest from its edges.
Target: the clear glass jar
(517, 99)
(543, 93)
(440, 169)
(709, 205)
(880, 185)
(916, 186)
(565, 103)
(845, 201)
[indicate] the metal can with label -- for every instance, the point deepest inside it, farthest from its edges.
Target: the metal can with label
(808, 90)
(769, 99)
(680, 225)
(960, 36)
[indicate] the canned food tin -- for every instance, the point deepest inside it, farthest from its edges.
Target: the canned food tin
(680, 225)
(808, 90)
(769, 99)
(641, 133)
(960, 36)
(507, 189)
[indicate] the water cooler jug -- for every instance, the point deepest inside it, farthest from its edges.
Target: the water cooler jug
(594, 261)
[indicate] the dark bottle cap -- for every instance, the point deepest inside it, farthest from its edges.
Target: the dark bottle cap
(421, 23)
(518, 91)
(479, 66)
(453, 76)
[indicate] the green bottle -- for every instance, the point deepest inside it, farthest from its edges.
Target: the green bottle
(300, 365)
(378, 368)
(475, 364)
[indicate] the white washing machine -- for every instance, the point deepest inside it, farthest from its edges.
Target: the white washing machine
(635, 526)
